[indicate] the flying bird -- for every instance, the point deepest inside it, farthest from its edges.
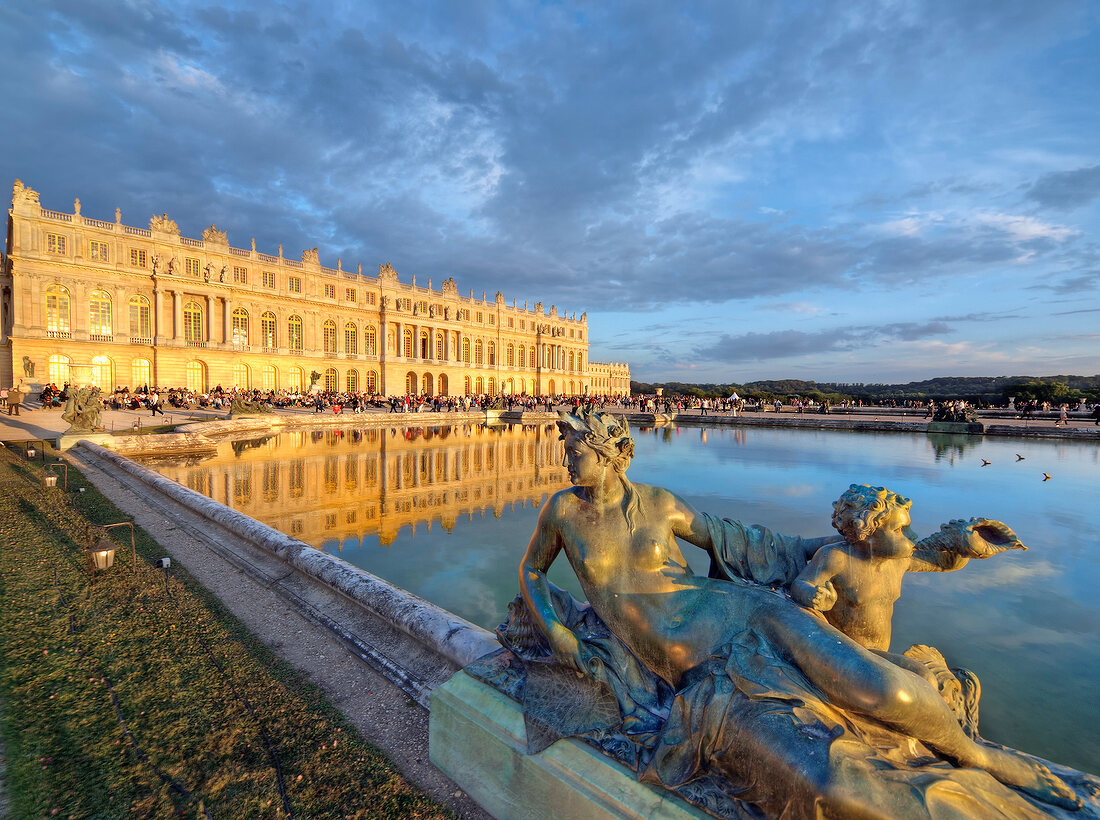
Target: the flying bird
(1019, 457)
(1046, 476)
(986, 463)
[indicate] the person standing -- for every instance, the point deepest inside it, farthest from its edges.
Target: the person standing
(1063, 420)
(14, 399)
(154, 403)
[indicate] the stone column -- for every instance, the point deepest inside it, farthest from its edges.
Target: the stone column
(227, 324)
(158, 321)
(177, 315)
(209, 318)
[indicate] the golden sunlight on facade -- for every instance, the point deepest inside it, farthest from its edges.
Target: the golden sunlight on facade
(147, 306)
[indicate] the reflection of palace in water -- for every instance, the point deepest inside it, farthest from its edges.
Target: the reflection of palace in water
(336, 484)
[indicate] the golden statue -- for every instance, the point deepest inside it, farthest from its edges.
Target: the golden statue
(728, 677)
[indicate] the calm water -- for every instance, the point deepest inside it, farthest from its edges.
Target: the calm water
(447, 513)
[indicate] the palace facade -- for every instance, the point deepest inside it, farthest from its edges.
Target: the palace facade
(93, 301)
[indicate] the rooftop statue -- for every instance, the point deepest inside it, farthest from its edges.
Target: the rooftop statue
(765, 689)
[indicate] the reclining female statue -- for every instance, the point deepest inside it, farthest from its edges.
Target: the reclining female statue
(621, 541)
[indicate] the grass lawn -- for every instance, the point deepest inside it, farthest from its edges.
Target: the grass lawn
(126, 695)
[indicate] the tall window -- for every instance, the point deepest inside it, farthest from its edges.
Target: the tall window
(99, 313)
(330, 291)
(240, 327)
(407, 343)
(103, 373)
(141, 325)
(55, 243)
(269, 330)
(492, 353)
(479, 385)
(57, 312)
(294, 334)
(571, 361)
(138, 258)
(240, 275)
(192, 323)
(140, 373)
(439, 347)
(511, 355)
(241, 376)
(351, 338)
(370, 341)
(531, 356)
(492, 381)
(466, 386)
(329, 334)
(478, 353)
(269, 377)
(372, 381)
(196, 376)
(466, 353)
(330, 379)
(294, 284)
(522, 357)
(268, 278)
(353, 381)
(295, 379)
(59, 369)
(99, 252)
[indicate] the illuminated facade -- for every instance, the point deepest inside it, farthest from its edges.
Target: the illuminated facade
(121, 305)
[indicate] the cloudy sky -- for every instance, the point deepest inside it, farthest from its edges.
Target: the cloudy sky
(847, 191)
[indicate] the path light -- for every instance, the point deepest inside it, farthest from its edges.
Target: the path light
(101, 549)
(49, 476)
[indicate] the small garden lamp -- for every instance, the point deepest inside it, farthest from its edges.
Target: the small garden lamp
(101, 551)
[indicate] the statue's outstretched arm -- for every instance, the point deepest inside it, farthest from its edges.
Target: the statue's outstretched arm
(958, 541)
(545, 545)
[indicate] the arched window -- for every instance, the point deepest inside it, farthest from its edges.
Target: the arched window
(492, 386)
(241, 376)
(571, 361)
(370, 341)
(294, 379)
(59, 369)
(466, 353)
(196, 376)
(192, 323)
(328, 332)
(407, 343)
(269, 377)
(466, 386)
(426, 385)
(294, 334)
(443, 384)
(99, 314)
(531, 360)
(269, 330)
(140, 373)
(479, 348)
(532, 387)
(479, 385)
(550, 388)
(330, 374)
(511, 355)
(492, 354)
(352, 381)
(57, 313)
(522, 356)
(141, 324)
(351, 338)
(372, 380)
(439, 347)
(103, 373)
(240, 327)
(425, 345)
(410, 383)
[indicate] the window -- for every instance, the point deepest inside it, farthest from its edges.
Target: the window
(103, 373)
(422, 308)
(59, 369)
(240, 275)
(466, 386)
(531, 356)
(55, 243)
(492, 353)
(351, 338)
(192, 322)
(522, 350)
(241, 376)
(372, 381)
(294, 334)
(138, 258)
(571, 361)
(492, 386)
(330, 291)
(268, 331)
(141, 326)
(295, 379)
(480, 317)
(425, 345)
(57, 313)
(99, 251)
(240, 329)
(329, 334)
(511, 355)
(268, 278)
(196, 376)
(492, 319)
(370, 341)
(349, 294)
(99, 313)
(140, 373)
(352, 381)
(523, 324)
(269, 377)
(191, 266)
(370, 298)
(479, 349)
(466, 352)
(439, 346)
(407, 343)
(511, 322)
(479, 387)
(330, 379)
(294, 283)
(405, 304)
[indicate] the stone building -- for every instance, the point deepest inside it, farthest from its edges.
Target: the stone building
(95, 301)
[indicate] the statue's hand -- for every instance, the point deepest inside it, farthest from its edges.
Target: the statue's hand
(821, 598)
(567, 649)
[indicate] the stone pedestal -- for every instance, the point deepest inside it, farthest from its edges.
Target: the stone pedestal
(477, 738)
(68, 440)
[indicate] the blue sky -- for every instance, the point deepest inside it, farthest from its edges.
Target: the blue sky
(839, 191)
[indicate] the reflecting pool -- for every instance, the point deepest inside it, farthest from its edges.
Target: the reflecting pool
(446, 512)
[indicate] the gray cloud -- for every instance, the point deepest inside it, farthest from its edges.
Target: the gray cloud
(784, 344)
(1067, 189)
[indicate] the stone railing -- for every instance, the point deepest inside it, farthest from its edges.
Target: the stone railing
(58, 334)
(191, 243)
(60, 217)
(98, 223)
(137, 231)
(100, 337)
(140, 340)
(240, 252)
